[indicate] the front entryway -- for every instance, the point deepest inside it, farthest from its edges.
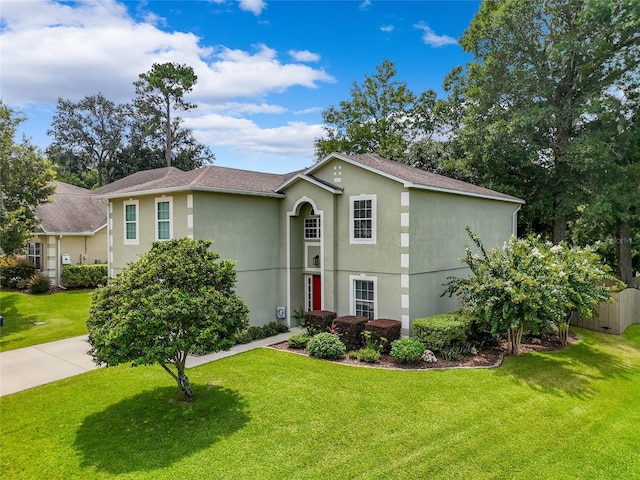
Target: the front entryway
(313, 292)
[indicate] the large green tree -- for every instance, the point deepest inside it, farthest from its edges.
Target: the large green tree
(25, 181)
(611, 214)
(383, 117)
(527, 98)
(87, 135)
(176, 299)
(160, 92)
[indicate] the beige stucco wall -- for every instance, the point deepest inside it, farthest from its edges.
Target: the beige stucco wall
(85, 249)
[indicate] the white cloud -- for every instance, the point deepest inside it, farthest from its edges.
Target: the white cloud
(387, 28)
(304, 56)
(365, 4)
(430, 38)
(245, 136)
(51, 50)
(70, 50)
(236, 73)
(253, 6)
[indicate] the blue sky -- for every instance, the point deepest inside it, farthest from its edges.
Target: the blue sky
(266, 69)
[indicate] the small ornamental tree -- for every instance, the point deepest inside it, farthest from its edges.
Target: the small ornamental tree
(176, 299)
(530, 286)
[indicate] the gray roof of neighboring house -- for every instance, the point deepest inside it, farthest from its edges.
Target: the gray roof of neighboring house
(210, 178)
(419, 178)
(72, 210)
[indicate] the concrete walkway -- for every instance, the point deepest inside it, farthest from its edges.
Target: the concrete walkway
(29, 367)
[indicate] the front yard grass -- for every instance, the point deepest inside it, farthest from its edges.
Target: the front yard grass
(267, 414)
(64, 315)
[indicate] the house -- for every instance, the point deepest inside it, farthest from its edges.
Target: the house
(73, 229)
(355, 234)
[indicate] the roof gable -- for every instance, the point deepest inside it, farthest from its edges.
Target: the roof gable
(412, 177)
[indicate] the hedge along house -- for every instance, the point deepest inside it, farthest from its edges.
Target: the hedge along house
(73, 230)
(359, 235)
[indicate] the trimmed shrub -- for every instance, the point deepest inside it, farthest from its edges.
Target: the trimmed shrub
(443, 331)
(326, 345)
(39, 283)
(274, 328)
(384, 328)
(243, 337)
(350, 330)
(368, 355)
(84, 276)
(299, 340)
(407, 350)
(318, 321)
(15, 272)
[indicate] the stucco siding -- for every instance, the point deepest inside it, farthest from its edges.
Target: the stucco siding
(245, 229)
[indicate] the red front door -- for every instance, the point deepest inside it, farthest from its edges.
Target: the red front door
(317, 292)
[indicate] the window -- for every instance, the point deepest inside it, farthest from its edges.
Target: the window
(363, 219)
(164, 224)
(34, 254)
(312, 228)
(131, 222)
(363, 296)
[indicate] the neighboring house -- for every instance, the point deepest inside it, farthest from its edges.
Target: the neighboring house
(73, 229)
(358, 235)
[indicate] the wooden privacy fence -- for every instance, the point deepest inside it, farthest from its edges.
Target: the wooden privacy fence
(617, 316)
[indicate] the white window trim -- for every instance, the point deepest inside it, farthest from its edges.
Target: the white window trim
(34, 258)
(352, 293)
(127, 241)
(317, 228)
(374, 214)
(155, 215)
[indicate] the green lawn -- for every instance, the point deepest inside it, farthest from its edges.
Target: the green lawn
(64, 315)
(268, 414)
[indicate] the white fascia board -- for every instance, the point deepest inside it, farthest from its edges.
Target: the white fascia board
(466, 194)
(70, 234)
(306, 178)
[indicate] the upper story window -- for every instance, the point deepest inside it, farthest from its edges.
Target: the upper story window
(131, 222)
(34, 254)
(312, 228)
(363, 219)
(164, 218)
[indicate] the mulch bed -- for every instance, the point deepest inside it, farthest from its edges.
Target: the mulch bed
(488, 358)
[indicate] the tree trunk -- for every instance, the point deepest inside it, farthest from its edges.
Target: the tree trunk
(185, 387)
(514, 337)
(559, 229)
(563, 332)
(168, 139)
(623, 253)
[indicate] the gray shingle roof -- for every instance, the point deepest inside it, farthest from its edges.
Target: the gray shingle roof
(422, 178)
(72, 210)
(257, 183)
(205, 178)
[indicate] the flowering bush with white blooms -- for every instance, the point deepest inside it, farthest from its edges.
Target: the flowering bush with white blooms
(531, 285)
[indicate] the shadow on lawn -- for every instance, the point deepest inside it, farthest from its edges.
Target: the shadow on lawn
(14, 321)
(156, 428)
(576, 369)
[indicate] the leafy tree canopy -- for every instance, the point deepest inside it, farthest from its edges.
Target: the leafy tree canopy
(25, 176)
(177, 298)
(383, 117)
(540, 72)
